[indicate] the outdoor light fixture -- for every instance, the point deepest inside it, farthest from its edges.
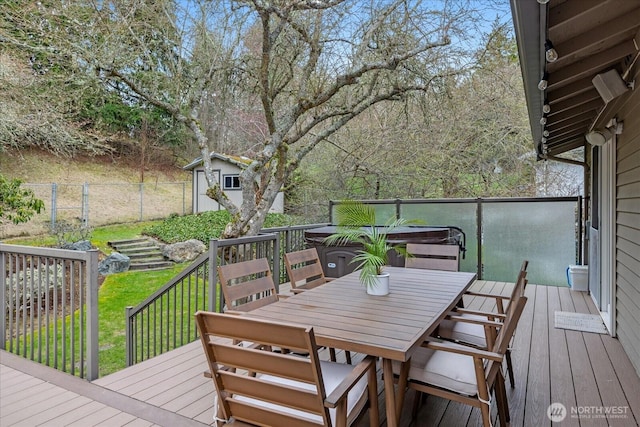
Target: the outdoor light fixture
(546, 108)
(543, 120)
(544, 82)
(549, 52)
(543, 140)
(609, 85)
(545, 133)
(599, 136)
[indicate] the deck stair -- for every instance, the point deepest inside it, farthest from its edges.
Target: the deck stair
(144, 253)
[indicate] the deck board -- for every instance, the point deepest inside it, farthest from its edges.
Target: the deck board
(538, 396)
(560, 370)
(551, 365)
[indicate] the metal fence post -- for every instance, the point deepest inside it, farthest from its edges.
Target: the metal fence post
(54, 207)
(85, 205)
(184, 198)
(92, 314)
(141, 190)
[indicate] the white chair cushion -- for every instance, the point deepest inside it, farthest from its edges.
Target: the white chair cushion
(443, 369)
(471, 333)
(332, 375)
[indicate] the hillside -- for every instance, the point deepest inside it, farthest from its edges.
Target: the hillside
(36, 166)
(114, 193)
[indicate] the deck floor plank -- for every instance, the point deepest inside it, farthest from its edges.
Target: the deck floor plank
(562, 390)
(538, 396)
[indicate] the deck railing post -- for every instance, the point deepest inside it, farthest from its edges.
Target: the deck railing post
(213, 277)
(130, 339)
(3, 301)
(479, 236)
(580, 224)
(92, 314)
(276, 261)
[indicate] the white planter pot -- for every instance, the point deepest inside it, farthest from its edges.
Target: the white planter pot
(380, 285)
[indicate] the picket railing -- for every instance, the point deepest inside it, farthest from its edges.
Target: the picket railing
(50, 301)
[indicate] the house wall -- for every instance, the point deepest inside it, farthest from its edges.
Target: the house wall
(202, 203)
(627, 250)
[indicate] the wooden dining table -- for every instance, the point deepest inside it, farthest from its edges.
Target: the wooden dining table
(391, 327)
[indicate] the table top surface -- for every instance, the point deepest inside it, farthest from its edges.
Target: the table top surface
(392, 326)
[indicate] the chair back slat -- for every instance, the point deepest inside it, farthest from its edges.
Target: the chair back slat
(433, 256)
(253, 330)
(250, 414)
(304, 269)
(261, 285)
(267, 362)
(256, 388)
(247, 285)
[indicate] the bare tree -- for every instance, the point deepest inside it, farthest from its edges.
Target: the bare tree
(312, 65)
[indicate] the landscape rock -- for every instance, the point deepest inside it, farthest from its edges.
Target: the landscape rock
(183, 251)
(81, 245)
(114, 263)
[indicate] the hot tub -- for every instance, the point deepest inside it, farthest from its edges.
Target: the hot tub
(336, 259)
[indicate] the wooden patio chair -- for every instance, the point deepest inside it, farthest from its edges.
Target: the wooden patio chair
(465, 374)
(247, 285)
(305, 272)
(287, 389)
(433, 256)
(468, 326)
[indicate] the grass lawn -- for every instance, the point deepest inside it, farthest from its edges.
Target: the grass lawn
(116, 293)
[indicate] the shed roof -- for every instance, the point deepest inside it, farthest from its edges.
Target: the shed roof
(240, 161)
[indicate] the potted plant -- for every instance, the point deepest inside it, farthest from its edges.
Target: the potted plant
(356, 224)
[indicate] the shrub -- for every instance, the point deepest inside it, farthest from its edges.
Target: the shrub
(203, 226)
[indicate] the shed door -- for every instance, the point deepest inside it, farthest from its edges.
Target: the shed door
(204, 203)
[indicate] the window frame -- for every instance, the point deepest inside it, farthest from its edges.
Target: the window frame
(234, 178)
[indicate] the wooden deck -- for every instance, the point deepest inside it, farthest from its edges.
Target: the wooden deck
(586, 372)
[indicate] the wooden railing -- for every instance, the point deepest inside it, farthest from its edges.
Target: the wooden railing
(164, 321)
(50, 300)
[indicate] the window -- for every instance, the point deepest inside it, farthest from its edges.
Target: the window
(231, 182)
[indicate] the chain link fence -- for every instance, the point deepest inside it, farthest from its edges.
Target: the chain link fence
(91, 205)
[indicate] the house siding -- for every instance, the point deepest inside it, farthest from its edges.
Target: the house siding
(628, 228)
